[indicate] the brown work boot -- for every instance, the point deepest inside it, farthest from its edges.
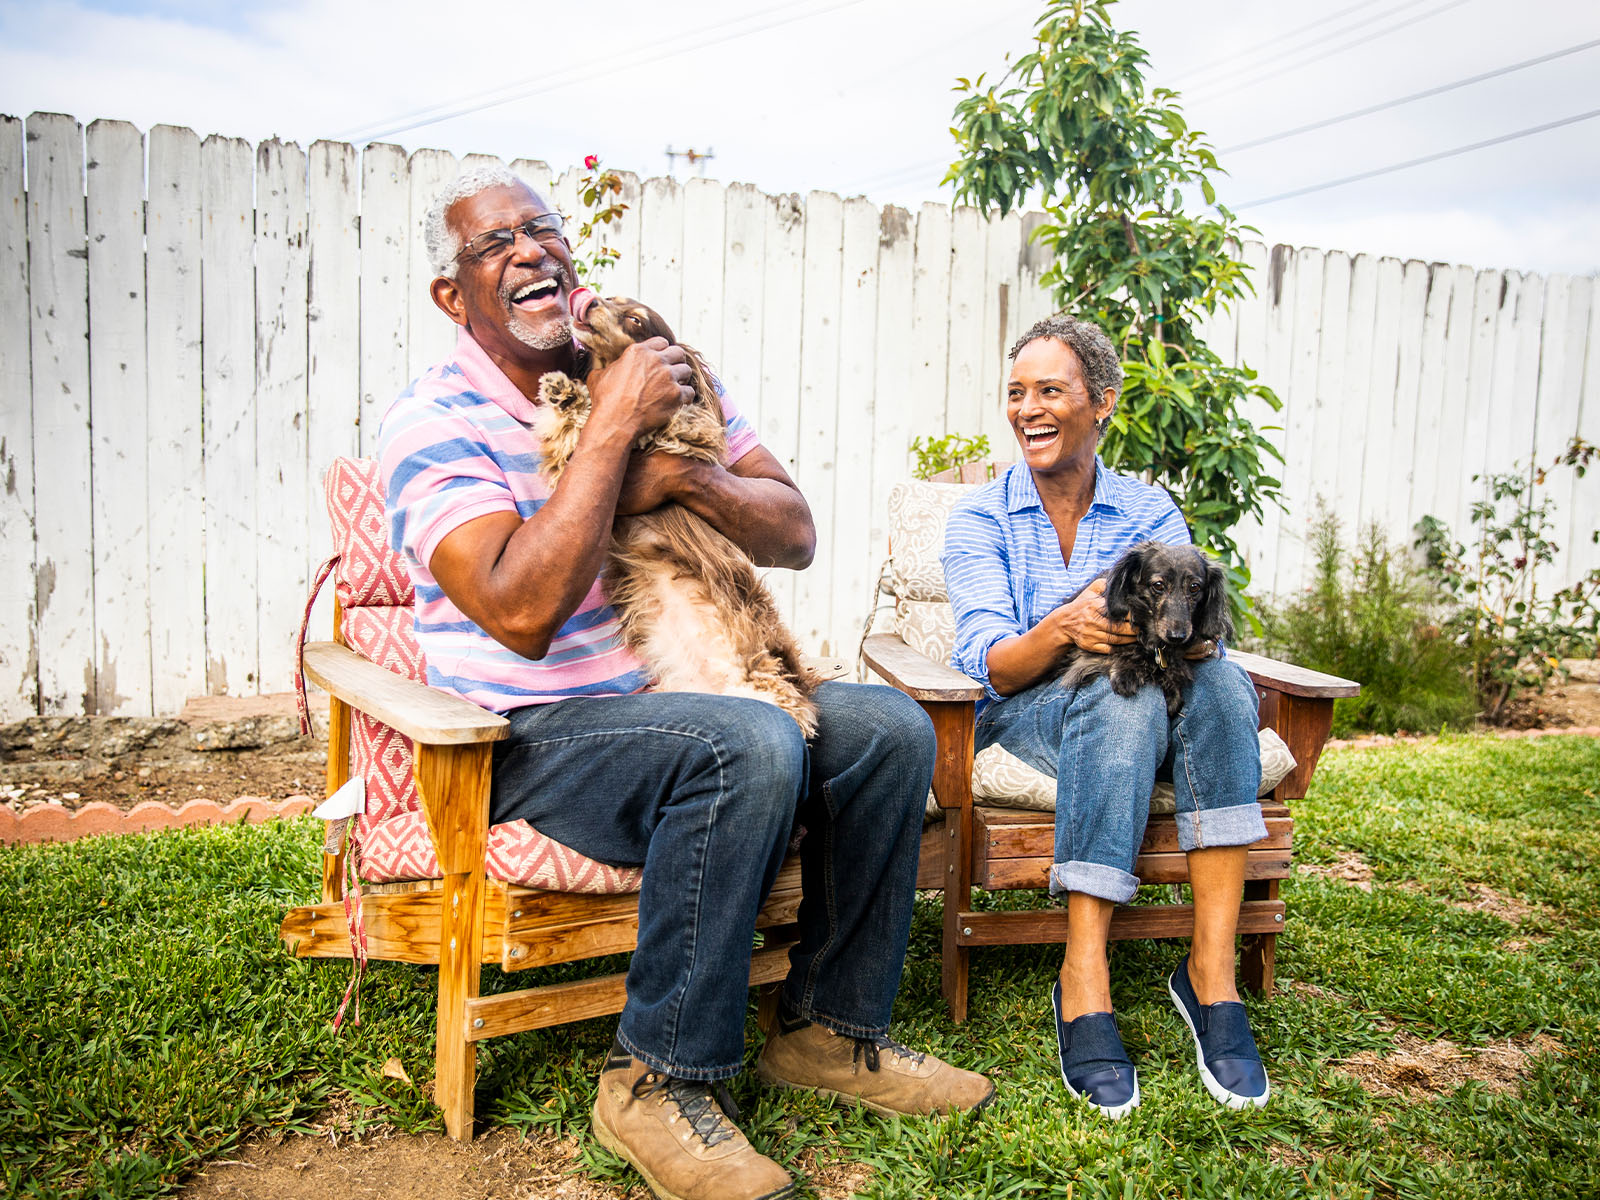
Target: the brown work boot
(875, 1071)
(677, 1133)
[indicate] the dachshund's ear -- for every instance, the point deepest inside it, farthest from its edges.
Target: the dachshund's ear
(1211, 618)
(1122, 585)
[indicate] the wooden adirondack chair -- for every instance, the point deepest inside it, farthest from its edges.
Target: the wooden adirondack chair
(992, 844)
(439, 885)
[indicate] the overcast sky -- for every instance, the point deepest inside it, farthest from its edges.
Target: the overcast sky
(853, 96)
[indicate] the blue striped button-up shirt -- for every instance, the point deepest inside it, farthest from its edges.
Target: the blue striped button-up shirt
(1002, 559)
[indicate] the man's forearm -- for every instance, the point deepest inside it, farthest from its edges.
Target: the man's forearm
(766, 518)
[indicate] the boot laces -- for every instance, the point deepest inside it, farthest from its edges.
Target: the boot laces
(869, 1048)
(707, 1107)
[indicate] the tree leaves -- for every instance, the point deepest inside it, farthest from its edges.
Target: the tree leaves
(1072, 119)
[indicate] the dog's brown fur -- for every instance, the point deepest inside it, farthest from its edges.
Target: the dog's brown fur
(690, 602)
(1175, 598)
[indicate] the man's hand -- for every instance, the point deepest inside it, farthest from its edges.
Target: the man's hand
(1203, 649)
(1082, 622)
(656, 479)
(642, 389)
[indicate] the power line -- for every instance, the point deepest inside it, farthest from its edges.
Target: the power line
(536, 85)
(1417, 162)
(1212, 93)
(1223, 66)
(1423, 95)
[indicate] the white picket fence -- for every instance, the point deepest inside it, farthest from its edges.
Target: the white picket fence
(191, 329)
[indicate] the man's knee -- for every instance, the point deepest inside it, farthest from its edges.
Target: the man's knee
(762, 742)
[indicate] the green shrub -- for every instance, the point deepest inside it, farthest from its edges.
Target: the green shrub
(1371, 616)
(952, 450)
(1515, 637)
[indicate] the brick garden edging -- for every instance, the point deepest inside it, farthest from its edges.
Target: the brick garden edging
(57, 823)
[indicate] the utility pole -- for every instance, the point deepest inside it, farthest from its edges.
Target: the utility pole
(695, 158)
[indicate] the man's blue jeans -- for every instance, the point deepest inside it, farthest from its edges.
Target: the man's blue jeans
(704, 792)
(1106, 752)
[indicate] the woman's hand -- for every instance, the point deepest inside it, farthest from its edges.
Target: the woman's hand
(1203, 649)
(1082, 622)
(1020, 662)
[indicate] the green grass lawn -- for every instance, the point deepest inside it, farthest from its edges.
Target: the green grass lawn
(149, 1018)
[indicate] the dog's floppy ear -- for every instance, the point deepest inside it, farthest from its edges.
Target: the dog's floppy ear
(1211, 615)
(1122, 584)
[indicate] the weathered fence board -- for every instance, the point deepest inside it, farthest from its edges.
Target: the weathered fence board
(778, 408)
(228, 377)
(385, 253)
(283, 516)
(661, 238)
(159, 561)
(58, 281)
(819, 408)
(176, 492)
(118, 419)
(852, 547)
(19, 661)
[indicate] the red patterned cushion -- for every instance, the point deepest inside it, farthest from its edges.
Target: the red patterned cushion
(375, 592)
(399, 848)
(369, 572)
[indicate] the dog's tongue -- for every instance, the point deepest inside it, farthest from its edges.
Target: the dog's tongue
(578, 302)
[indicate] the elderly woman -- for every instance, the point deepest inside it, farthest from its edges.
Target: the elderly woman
(1018, 555)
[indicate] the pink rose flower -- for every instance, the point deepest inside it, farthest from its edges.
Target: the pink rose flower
(591, 162)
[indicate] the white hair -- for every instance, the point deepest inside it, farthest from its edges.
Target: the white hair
(443, 243)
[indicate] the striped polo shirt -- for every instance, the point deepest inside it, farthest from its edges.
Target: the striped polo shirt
(457, 445)
(1002, 559)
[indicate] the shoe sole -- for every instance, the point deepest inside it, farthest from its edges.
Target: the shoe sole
(1111, 1112)
(1218, 1093)
(774, 1080)
(607, 1138)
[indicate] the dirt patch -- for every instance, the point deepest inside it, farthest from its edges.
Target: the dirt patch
(1416, 1067)
(219, 748)
(384, 1165)
(1349, 867)
(1486, 900)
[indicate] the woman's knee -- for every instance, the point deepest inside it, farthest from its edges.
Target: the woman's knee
(1126, 730)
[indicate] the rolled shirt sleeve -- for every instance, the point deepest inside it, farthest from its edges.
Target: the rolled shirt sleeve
(977, 581)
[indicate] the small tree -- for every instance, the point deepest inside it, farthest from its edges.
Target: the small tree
(1072, 124)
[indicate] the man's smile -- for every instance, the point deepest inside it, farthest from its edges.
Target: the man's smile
(536, 293)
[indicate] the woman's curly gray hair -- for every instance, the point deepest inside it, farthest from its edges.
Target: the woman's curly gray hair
(444, 243)
(1097, 357)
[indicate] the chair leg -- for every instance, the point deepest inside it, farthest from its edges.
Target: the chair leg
(955, 960)
(453, 784)
(767, 1007)
(1258, 962)
(455, 1058)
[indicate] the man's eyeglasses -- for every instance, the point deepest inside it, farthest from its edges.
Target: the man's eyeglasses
(546, 229)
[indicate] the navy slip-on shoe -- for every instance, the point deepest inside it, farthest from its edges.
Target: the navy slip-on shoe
(1224, 1049)
(1094, 1066)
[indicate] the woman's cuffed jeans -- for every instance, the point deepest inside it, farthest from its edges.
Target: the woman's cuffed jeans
(1106, 752)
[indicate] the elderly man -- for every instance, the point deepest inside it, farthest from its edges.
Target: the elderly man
(702, 791)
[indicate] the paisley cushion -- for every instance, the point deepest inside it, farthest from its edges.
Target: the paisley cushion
(917, 515)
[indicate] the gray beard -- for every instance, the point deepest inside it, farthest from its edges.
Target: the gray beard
(550, 336)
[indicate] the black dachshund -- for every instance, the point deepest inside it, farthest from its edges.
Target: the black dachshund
(1174, 598)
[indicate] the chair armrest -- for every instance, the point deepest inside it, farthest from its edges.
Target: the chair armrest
(826, 668)
(1292, 680)
(917, 676)
(422, 713)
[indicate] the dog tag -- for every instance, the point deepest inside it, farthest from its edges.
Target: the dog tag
(348, 801)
